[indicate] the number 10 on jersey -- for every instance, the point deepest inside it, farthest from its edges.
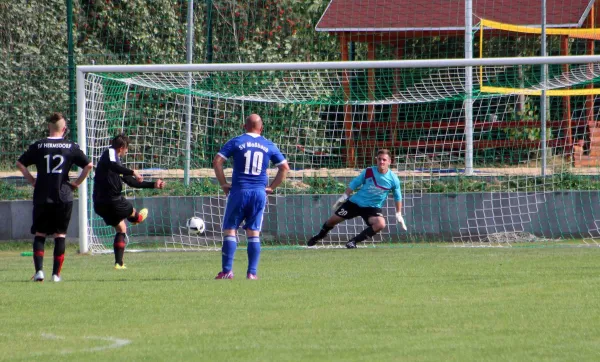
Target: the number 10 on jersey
(256, 159)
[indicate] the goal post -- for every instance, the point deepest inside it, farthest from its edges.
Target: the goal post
(84, 198)
(329, 118)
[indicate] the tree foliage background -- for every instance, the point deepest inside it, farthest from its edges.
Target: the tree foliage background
(34, 71)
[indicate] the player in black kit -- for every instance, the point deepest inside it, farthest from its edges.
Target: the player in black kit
(53, 192)
(109, 202)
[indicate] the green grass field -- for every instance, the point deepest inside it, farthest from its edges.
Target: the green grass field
(378, 304)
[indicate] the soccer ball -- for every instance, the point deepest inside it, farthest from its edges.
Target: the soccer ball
(195, 225)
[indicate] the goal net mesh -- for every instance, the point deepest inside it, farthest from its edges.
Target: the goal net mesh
(329, 124)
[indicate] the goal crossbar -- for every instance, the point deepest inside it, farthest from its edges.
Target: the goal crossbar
(375, 64)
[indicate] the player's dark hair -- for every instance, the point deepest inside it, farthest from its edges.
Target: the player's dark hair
(55, 117)
(120, 141)
(384, 151)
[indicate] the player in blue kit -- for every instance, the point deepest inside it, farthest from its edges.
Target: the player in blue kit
(375, 184)
(247, 193)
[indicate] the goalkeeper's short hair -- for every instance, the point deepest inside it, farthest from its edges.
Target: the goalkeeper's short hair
(384, 151)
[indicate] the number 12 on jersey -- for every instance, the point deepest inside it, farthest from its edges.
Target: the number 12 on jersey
(57, 168)
(254, 159)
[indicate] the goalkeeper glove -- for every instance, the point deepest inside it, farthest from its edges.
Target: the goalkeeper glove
(400, 220)
(339, 202)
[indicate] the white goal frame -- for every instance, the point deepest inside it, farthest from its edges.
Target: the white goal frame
(83, 70)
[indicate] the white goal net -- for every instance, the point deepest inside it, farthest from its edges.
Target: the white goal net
(478, 159)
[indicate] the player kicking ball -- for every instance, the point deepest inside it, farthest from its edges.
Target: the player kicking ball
(374, 184)
(109, 201)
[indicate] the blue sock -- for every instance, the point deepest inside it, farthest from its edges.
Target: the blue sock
(253, 254)
(228, 252)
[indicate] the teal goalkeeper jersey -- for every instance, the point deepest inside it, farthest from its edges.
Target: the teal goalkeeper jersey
(375, 187)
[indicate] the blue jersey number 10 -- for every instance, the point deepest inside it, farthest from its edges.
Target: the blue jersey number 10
(256, 160)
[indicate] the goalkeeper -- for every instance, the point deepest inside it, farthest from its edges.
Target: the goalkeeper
(375, 183)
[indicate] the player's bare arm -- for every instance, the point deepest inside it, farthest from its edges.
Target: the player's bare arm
(82, 176)
(28, 176)
(282, 171)
(218, 162)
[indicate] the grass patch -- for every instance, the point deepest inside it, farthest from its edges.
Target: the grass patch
(377, 304)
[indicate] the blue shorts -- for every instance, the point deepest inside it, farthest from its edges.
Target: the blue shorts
(245, 205)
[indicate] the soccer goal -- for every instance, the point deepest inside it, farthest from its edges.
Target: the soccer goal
(479, 145)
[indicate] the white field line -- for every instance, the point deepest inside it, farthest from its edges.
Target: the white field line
(113, 343)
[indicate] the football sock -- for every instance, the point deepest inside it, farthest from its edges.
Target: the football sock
(228, 252)
(324, 231)
(366, 233)
(119, 248)
(135, 218)
(59, 255)
(38, 252)
(253, 254)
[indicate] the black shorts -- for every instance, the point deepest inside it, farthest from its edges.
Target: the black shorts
(51, 218)
(350, 210)
(114, 212)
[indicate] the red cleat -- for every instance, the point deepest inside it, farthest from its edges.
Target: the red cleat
(223, 275)
(251, 276)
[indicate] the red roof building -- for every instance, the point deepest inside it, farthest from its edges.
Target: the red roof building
(391, 23)
(406, 16)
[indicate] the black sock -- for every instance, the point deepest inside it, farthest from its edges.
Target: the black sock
(366, 233)
(119, 247)
(38, 252)
(59, 255)
(324, 231)
(135, 217)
